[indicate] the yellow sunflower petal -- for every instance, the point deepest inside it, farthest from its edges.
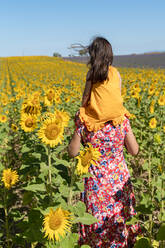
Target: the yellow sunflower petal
(9, 178)
(87, 157)
(51, 133)
(57, 223)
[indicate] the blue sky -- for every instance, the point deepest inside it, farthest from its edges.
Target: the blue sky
(41, 27)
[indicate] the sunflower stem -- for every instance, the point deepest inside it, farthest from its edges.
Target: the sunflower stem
(6, 219)
(72, 170)
(151, 190)
(49, 164)
(50, 175)
(162, 202)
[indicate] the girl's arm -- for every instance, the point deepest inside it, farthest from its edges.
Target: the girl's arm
(87, 91)
(74, 146)
(131, 143)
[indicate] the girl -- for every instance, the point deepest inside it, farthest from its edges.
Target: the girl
(102, 121)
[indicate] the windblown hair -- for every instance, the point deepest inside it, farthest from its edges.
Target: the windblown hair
(101, 57)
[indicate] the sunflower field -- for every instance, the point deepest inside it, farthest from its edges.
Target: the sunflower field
(39, 184)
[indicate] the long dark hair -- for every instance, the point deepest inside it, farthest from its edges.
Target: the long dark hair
(101, 57)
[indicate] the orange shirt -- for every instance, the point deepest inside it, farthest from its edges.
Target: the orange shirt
(106, 103)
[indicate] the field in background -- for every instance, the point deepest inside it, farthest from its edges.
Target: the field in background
(39, 98)
(147, 60)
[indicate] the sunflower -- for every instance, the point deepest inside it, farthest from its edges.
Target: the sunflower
(51, 133)
(151, 90)
(66, 99)
(136, 88)
(47, 102)
(9, 178)
(28, 122)
(151, 109)
(49, 97)
(153, 123)
(161, 100)
(30, 109)
(14, 127)
(86, 157)
(35, 98)
(135, 94)
(3, 118)
(58, 99)
(56, 223)
(31, 105)
(4, 101)
(63, 116)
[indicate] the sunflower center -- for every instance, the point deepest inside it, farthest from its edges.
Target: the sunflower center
(14, 127)
(51, 131)
(29, 122)
(50, 95)
(8, 179)
(86, 158)
(55, 222)
(151, 90)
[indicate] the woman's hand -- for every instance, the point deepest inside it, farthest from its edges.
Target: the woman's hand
(74, 146)
(131, 143)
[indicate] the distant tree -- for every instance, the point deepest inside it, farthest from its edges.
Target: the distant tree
(77, 47)
(71, 55)
(57, 55)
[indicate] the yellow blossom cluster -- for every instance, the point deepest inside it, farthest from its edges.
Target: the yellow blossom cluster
(40, 93)
(39, 83)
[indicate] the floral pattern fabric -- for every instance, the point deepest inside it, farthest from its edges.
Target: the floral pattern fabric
(108, 195)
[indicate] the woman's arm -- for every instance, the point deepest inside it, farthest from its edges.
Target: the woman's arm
(74, 146)
(131, 143)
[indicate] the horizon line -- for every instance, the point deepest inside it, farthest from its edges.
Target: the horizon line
(128, 54)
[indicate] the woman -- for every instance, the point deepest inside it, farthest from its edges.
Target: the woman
(102, 121)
